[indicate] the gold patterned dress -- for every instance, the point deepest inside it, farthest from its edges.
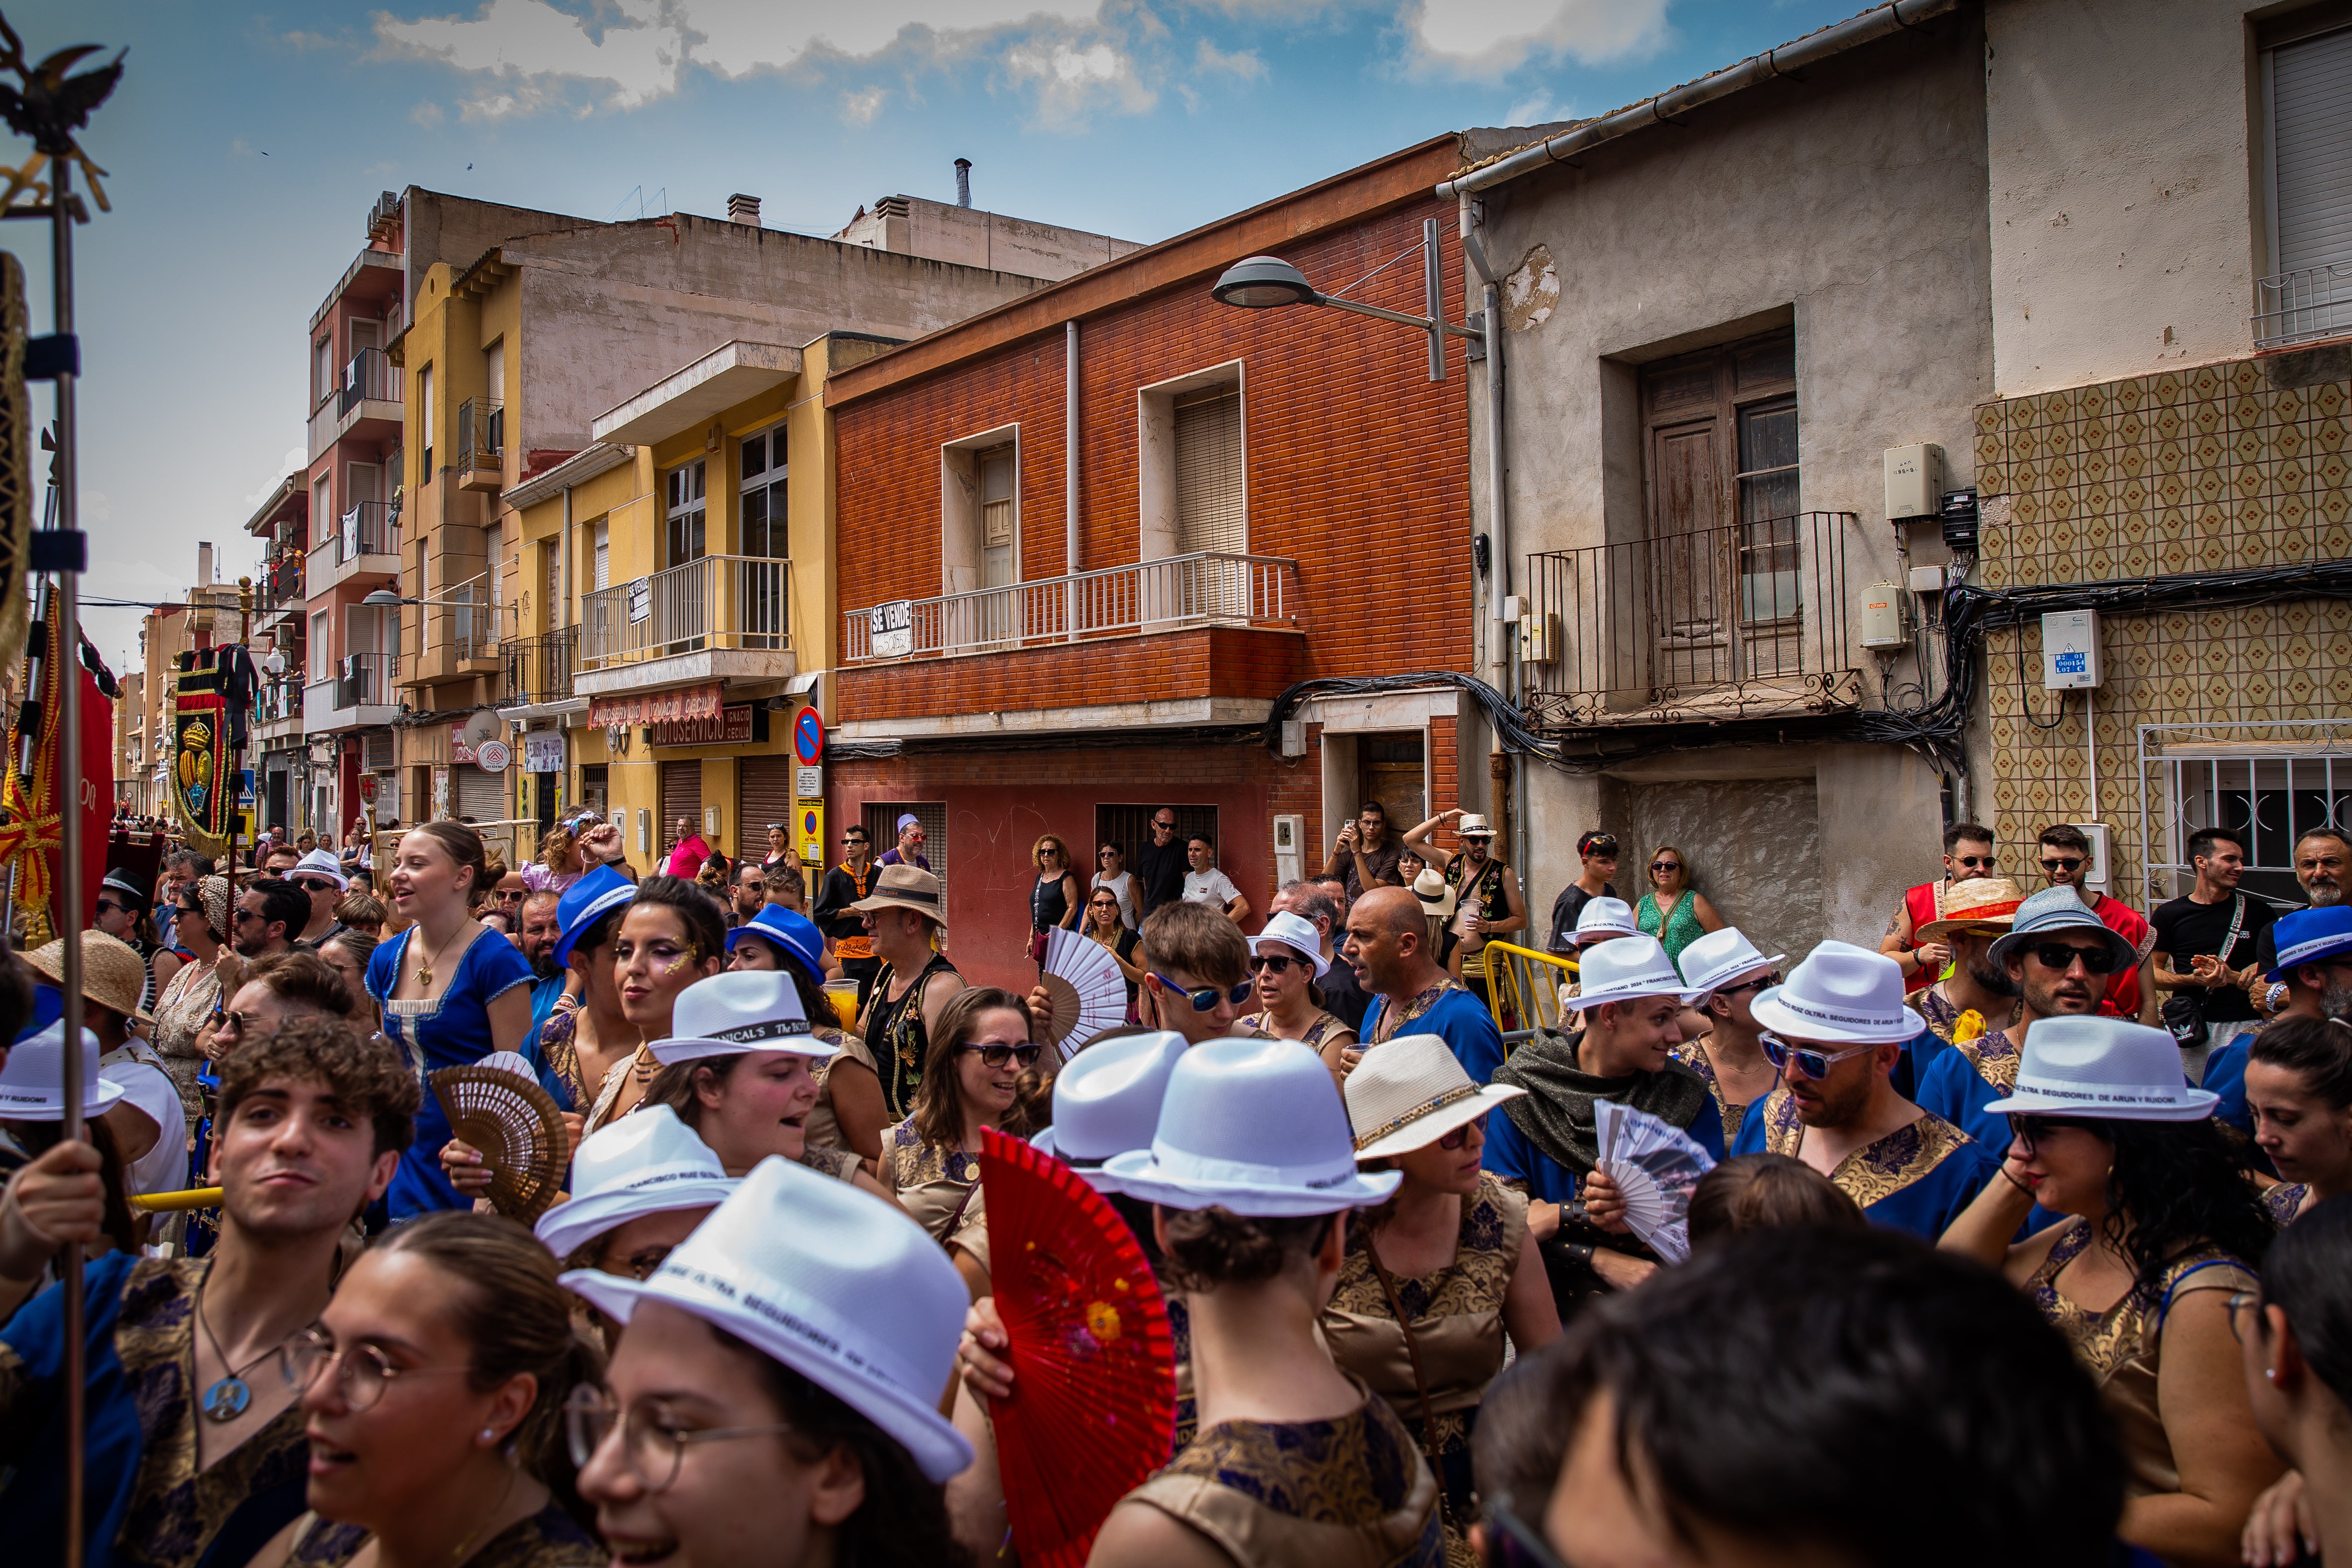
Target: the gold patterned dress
(1456, 1317)
(1324, 1028)
(1693, 1056)
(1348, 1493)
(933, 1183)
(548, 1539)
(183, 1015)
(2122, 1347)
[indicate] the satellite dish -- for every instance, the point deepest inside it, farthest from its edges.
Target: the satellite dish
(483, 726)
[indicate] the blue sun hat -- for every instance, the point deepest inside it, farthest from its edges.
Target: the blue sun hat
(594, 894)
(796, 934)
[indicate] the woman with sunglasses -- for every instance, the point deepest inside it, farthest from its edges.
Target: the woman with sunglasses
(1672, 911)
(2160, 1227)
(1285, 960)
(2299, 1087)
(1434, 1276)
(1054, 896)
(980, 1053)
(184, 1013)
(435, 1384)
(1111, 871)
(1105, 925)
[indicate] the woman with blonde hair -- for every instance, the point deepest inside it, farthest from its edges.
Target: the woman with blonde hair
(1053, 897)
(1672, 911)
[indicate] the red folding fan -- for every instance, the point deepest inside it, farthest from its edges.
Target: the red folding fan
(1093, 1411)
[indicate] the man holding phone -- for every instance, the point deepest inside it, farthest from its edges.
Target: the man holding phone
(1366, 853)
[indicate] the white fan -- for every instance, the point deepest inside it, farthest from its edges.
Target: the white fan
(1089, 992)
(1656, 1167)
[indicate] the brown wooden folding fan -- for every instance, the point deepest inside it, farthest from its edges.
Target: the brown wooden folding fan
(497, 1107)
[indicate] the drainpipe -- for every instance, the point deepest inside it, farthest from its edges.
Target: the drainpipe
(1070, 446)
(1498, 528)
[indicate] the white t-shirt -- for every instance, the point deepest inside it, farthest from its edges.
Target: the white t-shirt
(1122, 887)
(145, 1086)
(1211, 887)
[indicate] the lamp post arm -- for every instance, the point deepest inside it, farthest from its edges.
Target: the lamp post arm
(1421, 322)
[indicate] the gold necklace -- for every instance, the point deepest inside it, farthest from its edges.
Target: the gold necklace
(425, 969)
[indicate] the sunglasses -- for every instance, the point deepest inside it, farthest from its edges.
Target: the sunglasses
(1975, 862)
(1761, 983)
(245, 915)
(2027, 1132)
(231, 1025)
(1607, 847)
(996, 1055)
(2062, 957)
(1274, 963)
(1666, 866)
(1206, 997)
(1810, 1064)
(109, 906)
(1170, 825)
(1461, 1135)
(1105, 854)
(2060, 863)
(321, 885)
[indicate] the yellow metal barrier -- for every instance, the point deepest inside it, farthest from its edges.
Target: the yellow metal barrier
(174, 1203)
(1523, 987)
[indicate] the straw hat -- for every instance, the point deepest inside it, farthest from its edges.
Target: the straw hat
(1474, 826)
(33, 1079)
(1412, 1091)
(906, 887)
(2105, 1068)
(1841, 993)
(1107, 1101)
(738, 1011)
(1436, 893)
(833, 1282)
(113, 973)
(1978, 901)
(1283, 929)
(648, 1163)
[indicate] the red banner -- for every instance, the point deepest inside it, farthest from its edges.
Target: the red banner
(656, 706)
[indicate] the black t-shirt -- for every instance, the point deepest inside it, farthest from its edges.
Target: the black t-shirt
(2185, 928)
(1341, 994)
(1160, 873)
(1567, 906)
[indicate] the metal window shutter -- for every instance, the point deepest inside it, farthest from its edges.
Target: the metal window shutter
(378, 744)
(1209, 506)
(481, 796)
(763, 795)
(2310, 110)
(881, 819)
(681, 796)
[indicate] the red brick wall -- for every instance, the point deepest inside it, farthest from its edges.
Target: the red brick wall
(1220, 661)
(1357, 462)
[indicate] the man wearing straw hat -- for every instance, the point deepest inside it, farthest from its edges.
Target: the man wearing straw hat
(151, 1126)
(1976, 912)
(186, 1469)
(905, 915)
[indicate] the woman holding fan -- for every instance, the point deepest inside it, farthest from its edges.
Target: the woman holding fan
(1105, 926)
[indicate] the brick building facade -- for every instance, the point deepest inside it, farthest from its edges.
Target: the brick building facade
(1262, 498)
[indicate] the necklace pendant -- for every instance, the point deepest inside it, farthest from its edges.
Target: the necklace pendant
(226, 1400)
(425, 974)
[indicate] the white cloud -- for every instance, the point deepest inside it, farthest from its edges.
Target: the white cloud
(1535, 110)
(295, 457)
(1072, 75)
(1243, 64)
(859, 108)
(1486, 37)
(635, 55)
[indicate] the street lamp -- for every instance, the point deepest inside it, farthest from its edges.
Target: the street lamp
(1268, 282)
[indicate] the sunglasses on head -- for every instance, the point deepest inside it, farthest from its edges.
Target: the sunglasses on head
(996, 1055)
(1809, 1063)
(1206, 997)
(2061, 955)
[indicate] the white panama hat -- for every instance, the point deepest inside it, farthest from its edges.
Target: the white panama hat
(647, 1162)
(321, 863)
(1841, 994)
(1627, 969)
(1605, 916)
(833, 1282)
(1107, 1101)
(1720, 957)
(736, 1011)
(33, 1081)
(1411, 1093)
(1295, 933)
(2110, 1068)
(1256, 1126)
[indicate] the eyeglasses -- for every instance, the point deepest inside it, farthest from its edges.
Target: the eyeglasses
(1809, 1063)
(1461, 1135)
(1975, 862)
(362, 1371)
(651, 1443)
(1273, 962)
(1206, 997)
(2062, 956)
(996, 1054)
(2062, 863)
(510, 898)
(231, 1026)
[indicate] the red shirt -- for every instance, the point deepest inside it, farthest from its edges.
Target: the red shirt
(687, 857)
(1923, 903)
(2123, 998)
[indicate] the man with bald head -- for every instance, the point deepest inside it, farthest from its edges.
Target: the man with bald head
(1390, 948)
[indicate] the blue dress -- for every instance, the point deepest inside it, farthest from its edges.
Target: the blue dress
(1456, 1015)
(1511, 1156)
(2225, 1075)
(451, 1030)
(1917, 1178)
(1964, 1078)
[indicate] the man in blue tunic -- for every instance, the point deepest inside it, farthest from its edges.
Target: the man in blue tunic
(1837, 1030)
(1388, 946)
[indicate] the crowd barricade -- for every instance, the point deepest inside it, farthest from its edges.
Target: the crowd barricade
(1523, 989)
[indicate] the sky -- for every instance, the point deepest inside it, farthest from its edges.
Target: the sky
(245, 147)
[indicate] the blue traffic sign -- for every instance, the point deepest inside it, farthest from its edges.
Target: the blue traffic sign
(808, 737)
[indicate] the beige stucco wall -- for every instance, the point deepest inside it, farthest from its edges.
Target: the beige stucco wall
(2124, 221)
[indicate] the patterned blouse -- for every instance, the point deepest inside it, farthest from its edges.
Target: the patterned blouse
(1324, 1028)
(931, 1181)
(1693, 1056)
(2285, 1203)
(548, 1539)
(182, 1018)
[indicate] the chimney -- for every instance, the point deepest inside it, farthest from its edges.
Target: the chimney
(741, 208)
(963, 181)
(204, 563)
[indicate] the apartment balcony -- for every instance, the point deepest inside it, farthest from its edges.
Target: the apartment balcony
(277, 714)
(1743, 622)
(539, 672)
(366, 402)
(460, 639)
(478, 454)
(1206, 639)
(361, 693)
(280, 587)
(366, 543)
(722, 617)
(2303, 307)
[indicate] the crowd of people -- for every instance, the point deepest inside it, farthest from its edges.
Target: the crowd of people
(2016, 1237)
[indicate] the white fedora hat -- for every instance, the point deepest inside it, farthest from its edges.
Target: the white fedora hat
(834, 1283)
(737, 1011)
(1436, 893)
(1720, 957)
(1626, 970)
(1474, 826)
(1107, 1101)
(1256, 1126)
(1841, 992)
(2106, 1067)
(1605, 917)
(1411, 1093)
(33, 1081)
(648, 1163)
(321, 863)
(1295, 933)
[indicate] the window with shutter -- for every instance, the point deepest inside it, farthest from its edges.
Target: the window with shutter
(1211, 514)
(2311, 150)
(604, 555)
(1000, 521)
(681, 798)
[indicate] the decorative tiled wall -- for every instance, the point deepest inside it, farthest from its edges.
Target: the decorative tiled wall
(2196, 470)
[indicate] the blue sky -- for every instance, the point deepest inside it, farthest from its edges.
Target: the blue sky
(246, 148)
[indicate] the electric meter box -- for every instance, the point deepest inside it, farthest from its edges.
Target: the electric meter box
(2070, 650)
(1914, 480)
(1881, 621)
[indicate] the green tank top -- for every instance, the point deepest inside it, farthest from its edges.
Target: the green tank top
(1680, 928)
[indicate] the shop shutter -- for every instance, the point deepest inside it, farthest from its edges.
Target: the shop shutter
(764, 794)
(1211, 514)
(378, 743)
(681, 796)
(2311, 118)
(481, 798)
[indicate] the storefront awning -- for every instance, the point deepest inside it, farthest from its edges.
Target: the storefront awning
(658, 707)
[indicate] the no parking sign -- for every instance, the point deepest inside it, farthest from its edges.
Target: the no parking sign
(810, 815)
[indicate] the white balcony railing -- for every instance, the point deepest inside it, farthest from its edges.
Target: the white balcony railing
(1174, 593)
(715, 602)
(2303, 307)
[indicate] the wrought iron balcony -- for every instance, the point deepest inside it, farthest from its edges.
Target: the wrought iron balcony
(2303, 307)
(365, 679)
(369, 376)
(539, 669)
(370, 527)
(715, 602)
(1741, 622)
(1174, 593)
